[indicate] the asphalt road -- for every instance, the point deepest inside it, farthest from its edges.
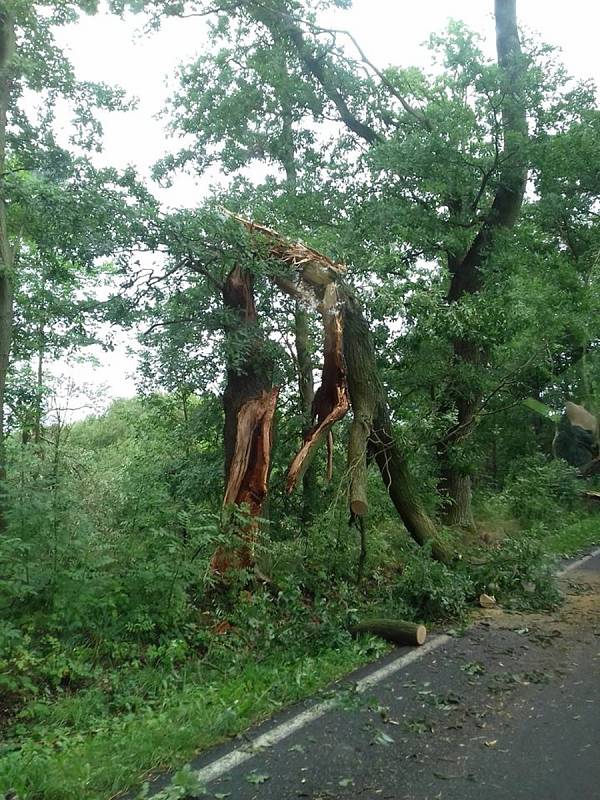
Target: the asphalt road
(509, 711)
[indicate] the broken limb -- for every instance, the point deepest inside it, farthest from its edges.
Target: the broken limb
(330, 403)
(372, 432)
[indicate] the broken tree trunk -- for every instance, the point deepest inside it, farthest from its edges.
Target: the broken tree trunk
(393, 630)
(249, 403)
(372, 434)
(317, 280)
(330, 403)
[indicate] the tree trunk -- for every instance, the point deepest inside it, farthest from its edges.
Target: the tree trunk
(466, 270)
(249, 405)
(39, 397)
(455, 479)
(455, 486)
(7, 252)
(372, 434)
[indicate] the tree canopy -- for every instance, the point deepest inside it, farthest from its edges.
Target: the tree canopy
(367, 367)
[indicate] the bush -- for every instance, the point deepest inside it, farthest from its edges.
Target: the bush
(538, 489)
(429, 590)
(519, 574)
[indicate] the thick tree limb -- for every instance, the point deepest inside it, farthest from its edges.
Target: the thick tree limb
(331, 402)
(318, 68)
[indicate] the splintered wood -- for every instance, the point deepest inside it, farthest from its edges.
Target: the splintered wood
(331, 401)
(313, 282)
(248, 476)
(311, 268)
(249, 468)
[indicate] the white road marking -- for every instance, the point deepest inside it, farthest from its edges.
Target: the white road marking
(244, 753)
(575, 564)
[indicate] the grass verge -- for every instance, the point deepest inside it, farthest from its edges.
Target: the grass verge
(95, 765)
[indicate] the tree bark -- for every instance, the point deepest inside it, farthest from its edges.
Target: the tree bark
(7, 251)
(466, 270)
(249, 403)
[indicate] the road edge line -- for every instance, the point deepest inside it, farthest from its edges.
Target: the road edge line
(580, 562)
(280, 732)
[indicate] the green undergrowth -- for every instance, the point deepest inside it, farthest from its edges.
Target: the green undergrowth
(73, 751)
(85, 719)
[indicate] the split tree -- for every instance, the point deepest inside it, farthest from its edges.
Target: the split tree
(350, 376)
(449, 164)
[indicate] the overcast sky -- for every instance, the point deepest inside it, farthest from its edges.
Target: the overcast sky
(104, 48)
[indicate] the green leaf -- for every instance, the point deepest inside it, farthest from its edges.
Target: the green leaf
(257, 778)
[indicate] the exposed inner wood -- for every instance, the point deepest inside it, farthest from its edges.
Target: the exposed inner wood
(331, 402)
(249, 468)
(393, 630)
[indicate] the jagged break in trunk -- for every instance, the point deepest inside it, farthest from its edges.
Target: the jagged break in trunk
(249, 403)
(330, 403)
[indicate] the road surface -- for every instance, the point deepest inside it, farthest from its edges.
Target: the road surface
(509, 711)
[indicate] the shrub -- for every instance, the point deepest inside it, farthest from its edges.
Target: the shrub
(538, 489)
(519, 574)
(430, 590)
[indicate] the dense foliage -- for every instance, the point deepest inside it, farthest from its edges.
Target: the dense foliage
(120, 639)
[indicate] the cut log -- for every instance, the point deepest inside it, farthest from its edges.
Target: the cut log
(393, 630)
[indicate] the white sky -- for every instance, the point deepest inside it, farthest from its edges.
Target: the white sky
(105, 48)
